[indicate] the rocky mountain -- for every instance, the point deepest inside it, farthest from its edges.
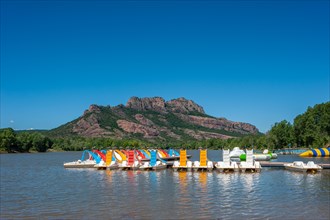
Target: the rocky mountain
(153, 119)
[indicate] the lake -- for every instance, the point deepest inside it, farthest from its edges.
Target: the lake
(37, 186)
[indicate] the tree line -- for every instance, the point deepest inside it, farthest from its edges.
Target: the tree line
(10, 141)
(309, 130)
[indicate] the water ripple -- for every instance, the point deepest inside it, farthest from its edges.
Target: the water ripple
(37, 186)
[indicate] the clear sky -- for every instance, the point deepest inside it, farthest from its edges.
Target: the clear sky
(252, 61)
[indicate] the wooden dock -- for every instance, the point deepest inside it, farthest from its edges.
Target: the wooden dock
(281, 164)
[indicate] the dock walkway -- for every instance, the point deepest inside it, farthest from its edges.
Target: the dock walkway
(281, 164)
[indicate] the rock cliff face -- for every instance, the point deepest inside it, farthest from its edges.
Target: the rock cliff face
(184, 106)
(89, 126)
(144, 104)
(220, 124)
(131, 127)
(180, 105)
(154, 119)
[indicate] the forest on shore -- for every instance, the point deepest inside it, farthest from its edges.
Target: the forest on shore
(309, 130)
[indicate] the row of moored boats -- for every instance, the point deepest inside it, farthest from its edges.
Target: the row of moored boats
(157, 159)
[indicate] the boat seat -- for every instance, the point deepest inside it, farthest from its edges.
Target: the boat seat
(249, 157)
(225, 156)
(298, 163)
(311, 164)
(210, 164)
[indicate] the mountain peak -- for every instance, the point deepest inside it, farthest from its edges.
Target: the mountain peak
(183, 105)
(143, 104)
(179, 105)
(92, 108)
(154, 119)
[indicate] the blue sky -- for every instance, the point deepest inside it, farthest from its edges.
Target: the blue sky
(252, 61)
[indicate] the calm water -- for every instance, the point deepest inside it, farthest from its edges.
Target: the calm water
(37, 186)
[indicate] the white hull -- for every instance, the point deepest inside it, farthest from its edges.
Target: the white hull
(105, 167)
(196, 166)
(145, 166)
(159, 167)
(226, 167)
(299, 166)
(80, 164)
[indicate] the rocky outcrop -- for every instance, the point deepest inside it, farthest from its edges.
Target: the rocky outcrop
(143, 104)
(180, 105)
(135, 128)
(183, 105)
(200, 135)
(143, 120)
(89, 126)
(220, 124)
(92, 109)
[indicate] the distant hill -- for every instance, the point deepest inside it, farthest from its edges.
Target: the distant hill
(152, 119)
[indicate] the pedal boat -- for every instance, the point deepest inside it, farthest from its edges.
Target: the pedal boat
(80, 164)
(158, 166)
(300, 166)
(226, 165)
(250, 165)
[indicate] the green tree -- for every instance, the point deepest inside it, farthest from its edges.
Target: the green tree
(281, 134)
(40, 143)
(312, 129)
(25, 140)
(8, 141)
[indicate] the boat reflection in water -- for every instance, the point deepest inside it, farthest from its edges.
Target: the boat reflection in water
(183, 193)
(202, 176)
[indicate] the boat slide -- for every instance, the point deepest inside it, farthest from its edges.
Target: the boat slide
(120, 156)
(140, 155)
(82, 163)
(183, 163)
(153, 164)
(204, 163)
(146, 153)
(130, 163)
(92, 155)
(109, 162)
(161, 154)
(173, 153)
(100, 154)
